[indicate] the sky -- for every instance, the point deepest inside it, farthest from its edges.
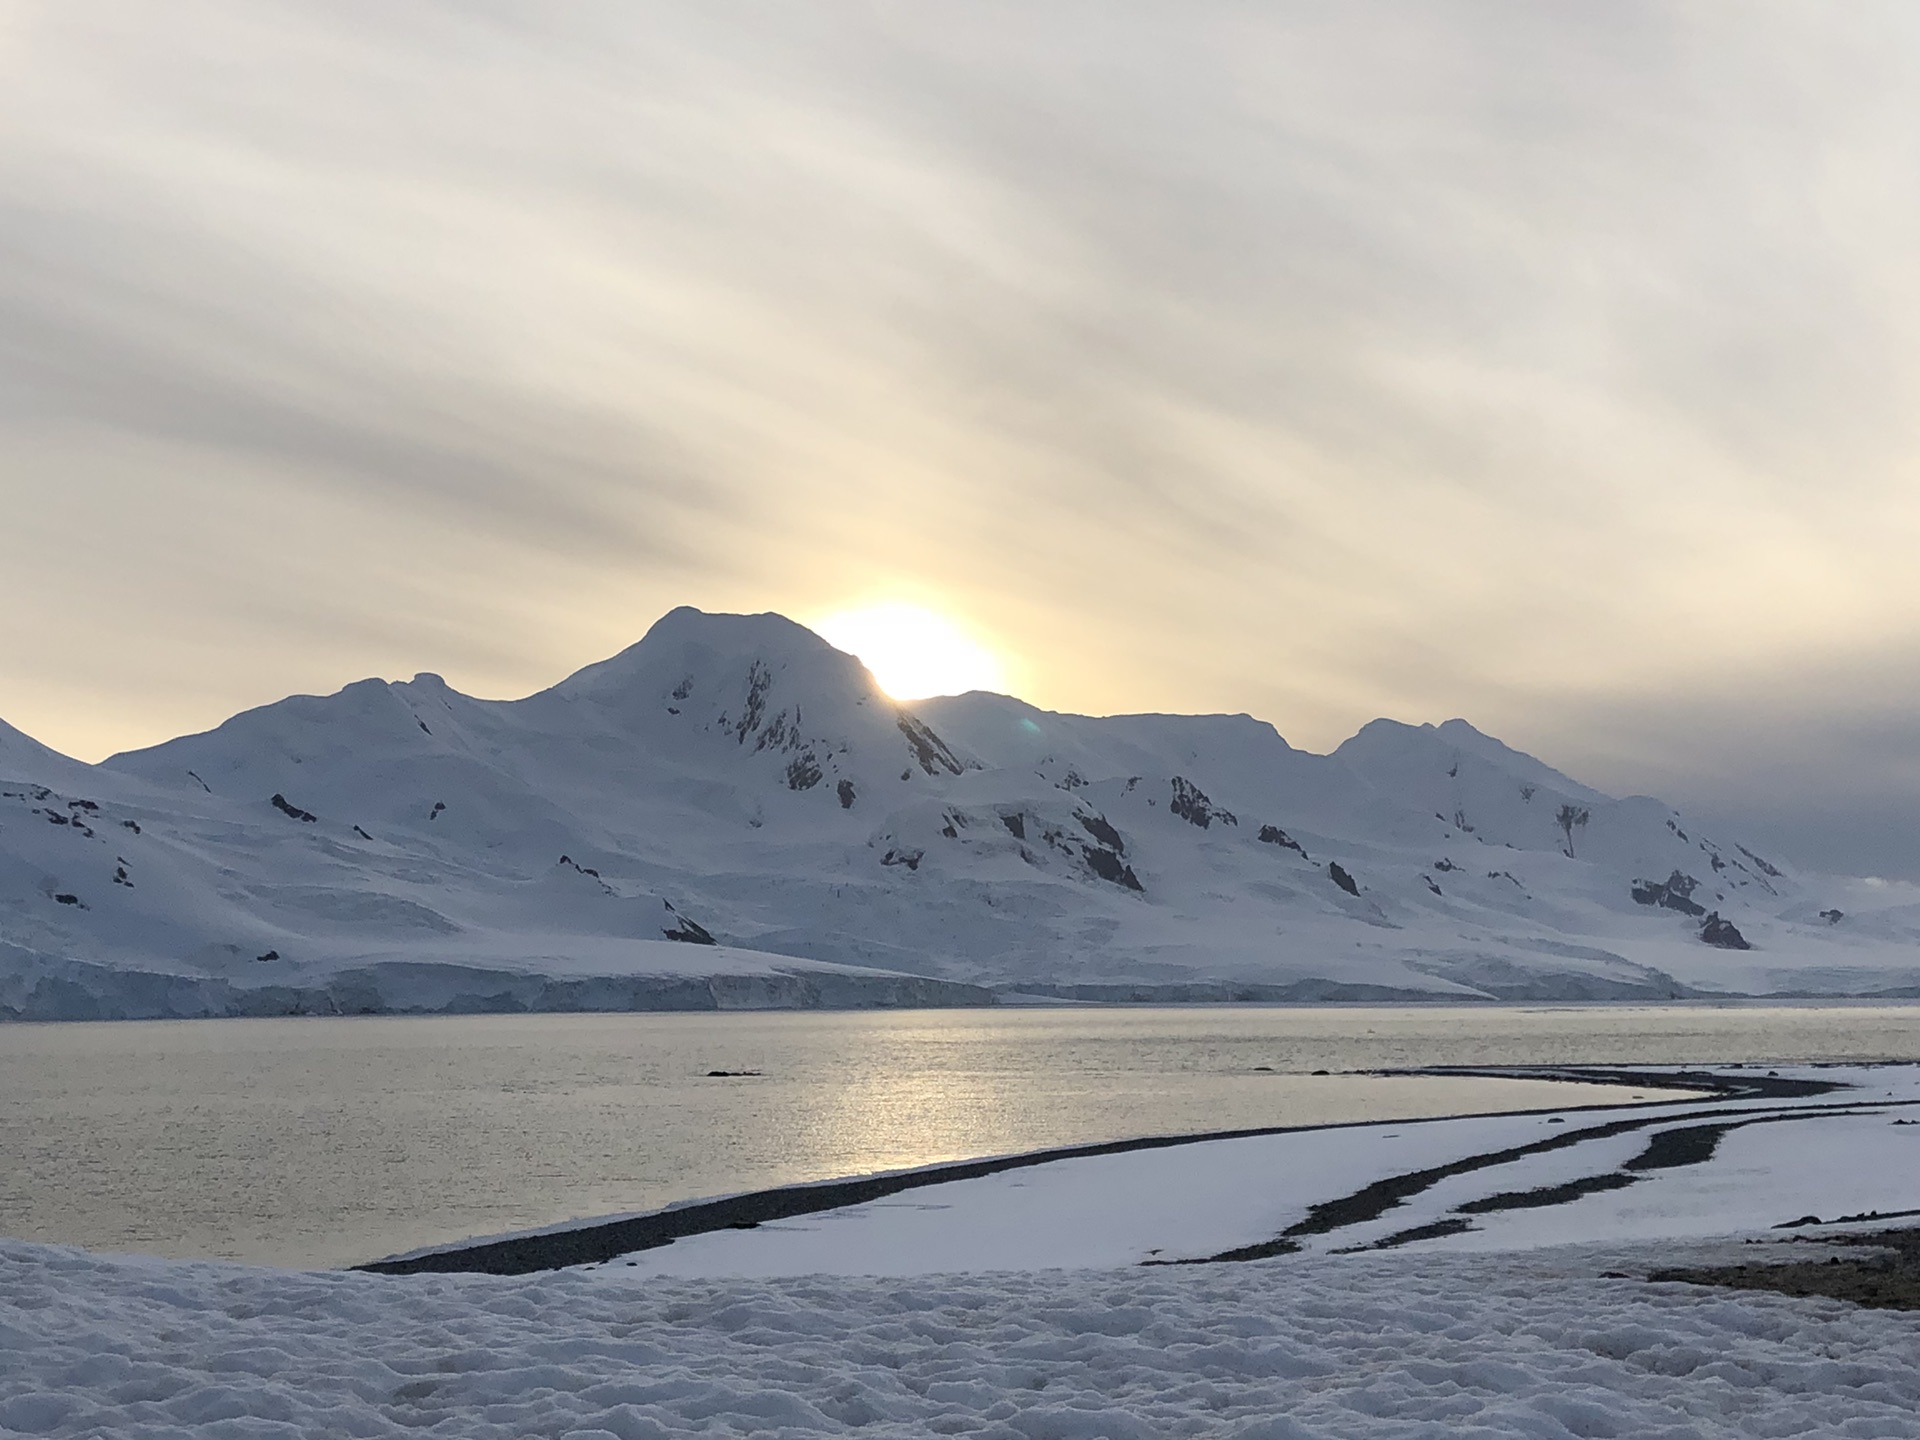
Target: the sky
(1552, 365)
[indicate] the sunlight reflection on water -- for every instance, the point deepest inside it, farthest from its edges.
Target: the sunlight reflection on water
(330, 1141)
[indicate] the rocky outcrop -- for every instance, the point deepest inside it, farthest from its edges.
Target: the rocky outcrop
(1274, 835)
(1191, 804)
(1673, 893)
(1723, 934)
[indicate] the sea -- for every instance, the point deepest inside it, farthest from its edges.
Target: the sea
(330, 1141)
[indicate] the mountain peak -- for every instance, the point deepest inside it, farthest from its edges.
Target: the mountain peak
(1387, 751)
(686, 643)
(24, 758)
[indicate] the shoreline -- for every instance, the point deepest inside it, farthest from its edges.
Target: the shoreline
(801, 992)
(597, 1241)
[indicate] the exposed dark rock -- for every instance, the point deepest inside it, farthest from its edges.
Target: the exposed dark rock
(1433, 1230)
(803, 771)
(1337, 873)
(1674, 1149)
(1723, 933)
(909, 858)
(690, 932)
(846, 793)
(120, 875)
(1016, 824)
(1260, 1250)
(1571, 818)
(759, 682)
(1443, 865)
(361, 833)
(573, 864)
(1887, 1277)
(132, 825)
(1460, 822)
(270, 955)
(281, 803)
(1548, 1195)
(421, 723)
(782, 732)
(1101, 829)
(1672, 894)
(737, 1075)
(1109, 866)
(1430, 884)
(683, 689)
(65, 899)
(1274, 835)
(438, 806)
(1191, 804)
(1765, 869)
(82, 805)
(1833, 917)
(928, 748)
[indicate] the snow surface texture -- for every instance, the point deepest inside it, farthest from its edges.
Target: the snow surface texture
(1547, 1342)
(1841, 1154)
(735, 779)
(1380, 1346)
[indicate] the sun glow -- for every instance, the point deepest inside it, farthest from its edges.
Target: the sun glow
(913, 652)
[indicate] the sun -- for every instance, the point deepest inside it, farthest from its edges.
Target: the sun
(912, 651)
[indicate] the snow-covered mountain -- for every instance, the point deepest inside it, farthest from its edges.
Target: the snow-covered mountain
(732, 813)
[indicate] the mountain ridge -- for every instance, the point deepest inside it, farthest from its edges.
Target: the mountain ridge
(731, 803)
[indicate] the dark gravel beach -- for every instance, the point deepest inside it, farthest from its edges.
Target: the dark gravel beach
(1886, 1276)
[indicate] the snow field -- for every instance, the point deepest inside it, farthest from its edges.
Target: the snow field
(1109, 1210)
(1761, 1176)
(1192, 1201)
(1382, 1346)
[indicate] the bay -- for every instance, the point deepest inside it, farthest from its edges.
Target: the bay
(315, 1142)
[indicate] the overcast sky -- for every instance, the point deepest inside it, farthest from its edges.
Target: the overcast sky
(1552, 365)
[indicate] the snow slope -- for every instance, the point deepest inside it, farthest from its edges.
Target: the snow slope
(1544, 1345)
(401, 846)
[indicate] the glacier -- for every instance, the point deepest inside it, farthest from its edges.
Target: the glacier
(731, 813)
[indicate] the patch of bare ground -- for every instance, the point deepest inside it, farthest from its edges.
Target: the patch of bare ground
(1887, 1277)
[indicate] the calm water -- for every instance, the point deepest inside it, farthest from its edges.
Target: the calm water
(319, 1142)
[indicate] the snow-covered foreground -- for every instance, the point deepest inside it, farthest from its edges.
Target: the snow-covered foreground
(1061, 1332)
(1381, 1346)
